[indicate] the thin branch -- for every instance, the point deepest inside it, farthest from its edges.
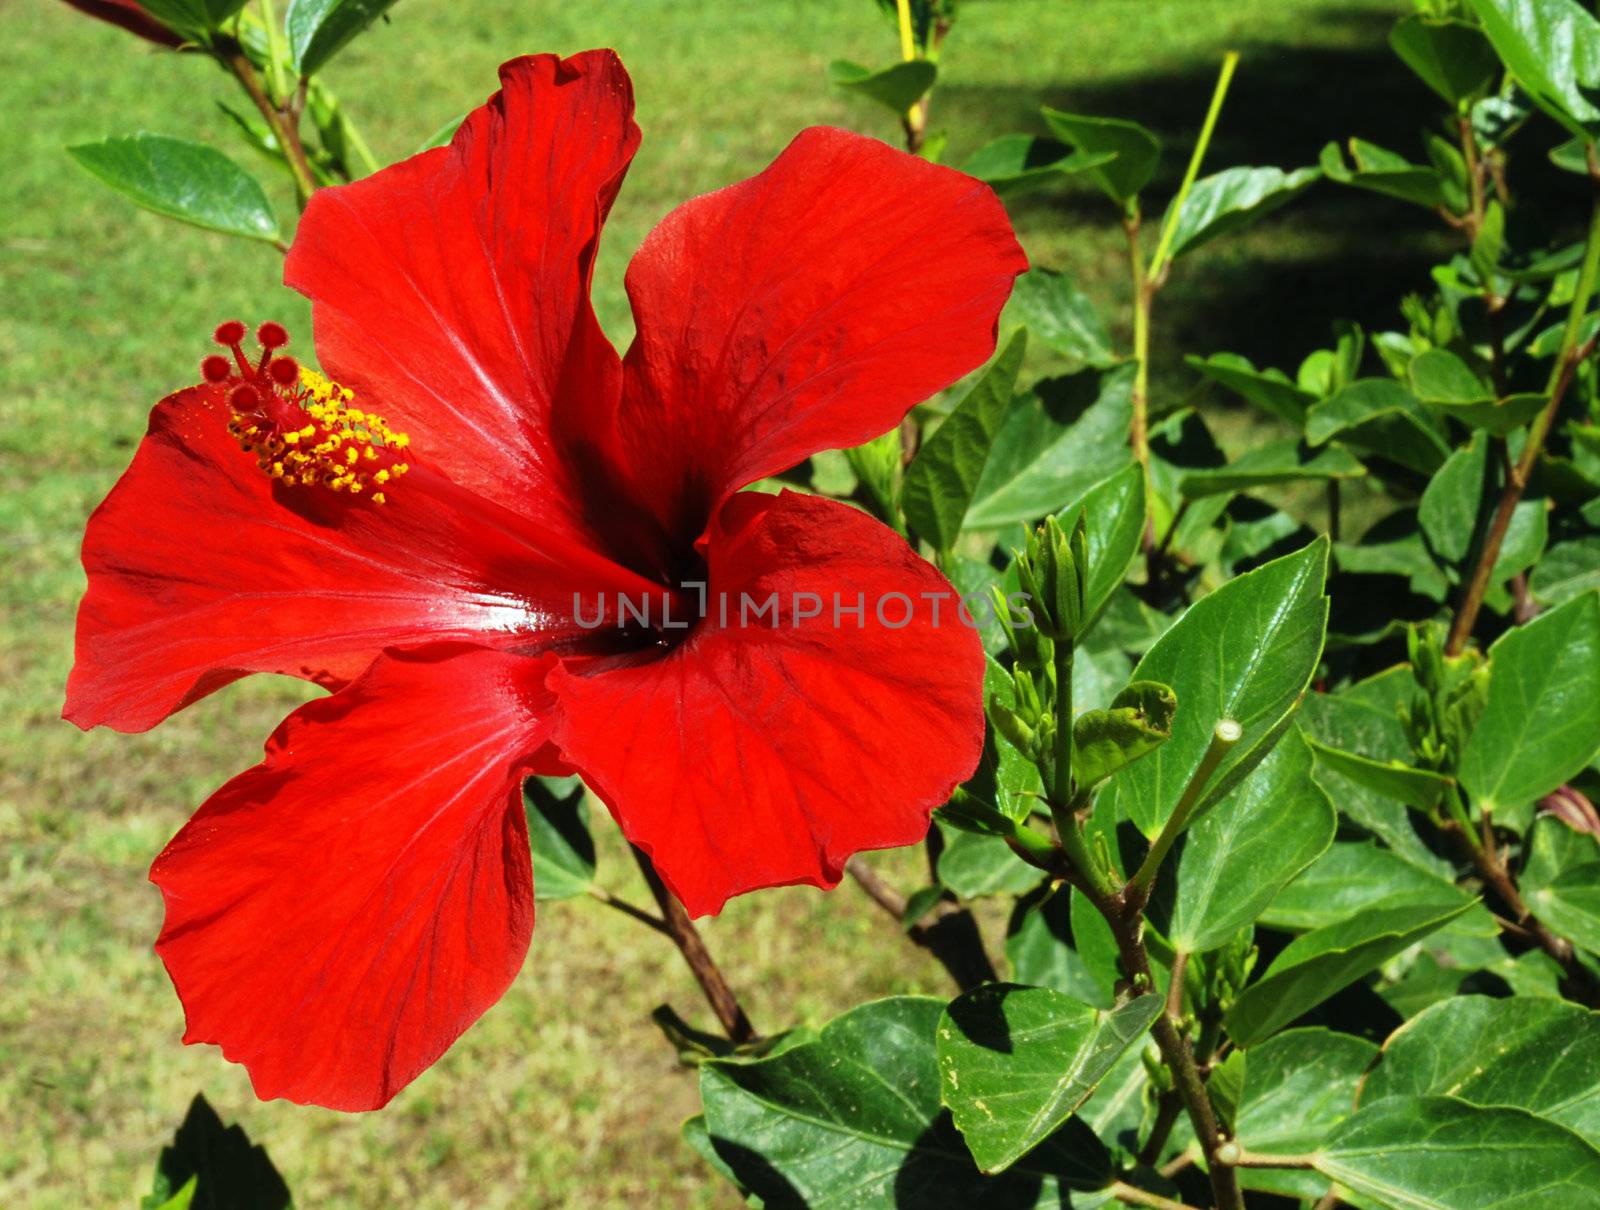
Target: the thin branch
(687, 938)
(627, 909)
(1132, 1195)
(288, 136)
(1235, 1156)
(1168, 1109)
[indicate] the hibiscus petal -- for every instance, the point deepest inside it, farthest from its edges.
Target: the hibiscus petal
(339, 914)
(765, 754)
(806, 308)
(201, 570)
(454, 286)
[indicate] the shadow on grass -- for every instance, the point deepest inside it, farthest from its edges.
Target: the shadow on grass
(1335, 253)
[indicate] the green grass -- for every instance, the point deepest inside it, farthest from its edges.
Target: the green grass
(564, 1094)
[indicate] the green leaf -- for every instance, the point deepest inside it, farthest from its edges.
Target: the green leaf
(1014, 777)
(1114, 515)
(1562, 882)
(1542, 722)
(940, 481)
(1040, 950)
(1552, 47)
(1134, 150)
(1439, 376)
(1352, 878)
(1138, 721)
(183, 1199)
(974, 866)
(1276, 463)
(852, 1121)
(1246, 652)
(1567, 570)
(1062, 316)
(193, 17)
(1419, 788)
(558, 831)
(1270, 390)
(319, 29)
(1256, 840)
(1232, 199)
(1065, 437)
(1016, 1062)
(897, 87)
(1450, 504)
(182, 180)
(1314, 966)
(1451, 57)
(1440, 1153)
(442, 136)
(1014, 164)
(1522, 1053)
(1298, 1086)
(1382, 417)
(1225, 1086)
(1379, 171)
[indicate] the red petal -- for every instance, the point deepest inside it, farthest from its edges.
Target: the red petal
(455, 286)
(339, 914)
(762, 756)
(201, 571)
(130, 15)
(807, 308)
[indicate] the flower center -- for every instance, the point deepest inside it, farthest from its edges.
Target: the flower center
(304, 430)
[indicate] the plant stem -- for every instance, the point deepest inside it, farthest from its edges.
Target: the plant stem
(706, 972)
(1158, 263)
(1143, 296)
(1562, 373)
(1168, 1108)
(627, 909)
(1235, 1156)
(276, 86)
(233, 57)
(915, 119)
(1224, 736)
(1132, 1195)
(951, 935)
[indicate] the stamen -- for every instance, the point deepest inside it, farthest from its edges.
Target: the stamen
(301, 427)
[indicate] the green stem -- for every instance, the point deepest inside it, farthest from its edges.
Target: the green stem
(1132, 1195)
(1063, 755)
(1143, 297)
(277, 87)
(234, 58)
(1224, 736)
(1158, 263)
(358, 144)
(1235, 1156)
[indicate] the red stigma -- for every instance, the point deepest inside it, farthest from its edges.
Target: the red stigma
(216, 368)
(271, 335)
(244, 398)
(230, 333)
(284, 371)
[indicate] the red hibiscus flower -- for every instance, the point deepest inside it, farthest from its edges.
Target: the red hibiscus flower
(131, 16)
(337, 915)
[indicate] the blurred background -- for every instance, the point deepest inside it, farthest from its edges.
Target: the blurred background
(565, 1093)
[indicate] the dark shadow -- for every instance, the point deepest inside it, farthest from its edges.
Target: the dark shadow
(234, 1174)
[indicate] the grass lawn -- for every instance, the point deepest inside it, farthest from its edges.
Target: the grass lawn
(564, 1094)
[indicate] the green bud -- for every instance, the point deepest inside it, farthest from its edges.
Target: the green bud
(1007, 723)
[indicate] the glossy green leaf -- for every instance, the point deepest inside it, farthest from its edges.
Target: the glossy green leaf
(1016, 1062)
(1567, 570)
(852, 1121)
(1552, 47)
(897, 87)
(1538, 1055)
(1017, 163)
(1383, 417)
(1255, 841)
(1419, 788)
(1065, 437)
(1439, 376)
(1062, 316)
(1542, 722)
(1138, 721)
(1326, 960)
(1452, 500)
(1351, 878)
(1114, 516)
(1298, 1086)
(1440, 1153)
(319, 29)
(1233, 199)
(1561, 882)
(940, 481)
(1246, 652)
(558, 831)
(1269, 465)
(1039, 947)
(1134, 150)
(1270, 390)
(1379, 171)
(1451, 57)
(182, 180)
(974, 866)
(192, 16)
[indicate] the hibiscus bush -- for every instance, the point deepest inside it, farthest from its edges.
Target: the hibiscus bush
(1254, 786)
